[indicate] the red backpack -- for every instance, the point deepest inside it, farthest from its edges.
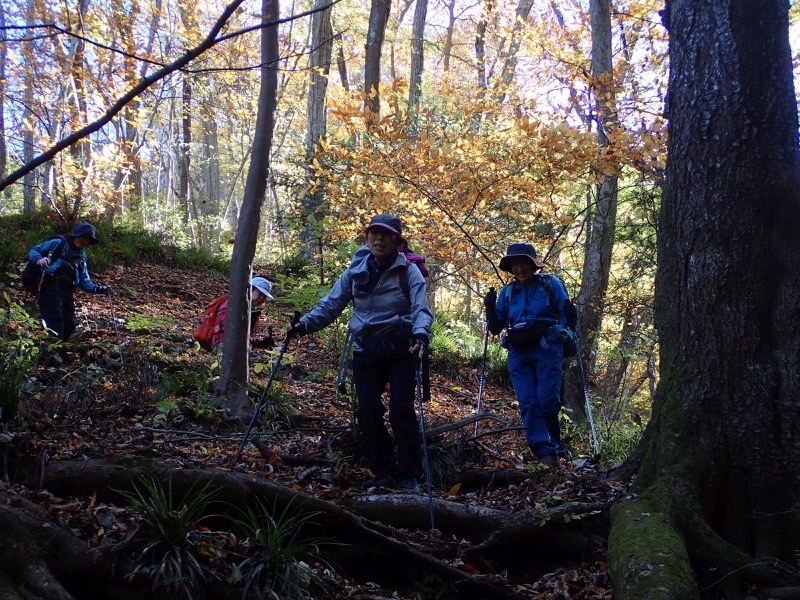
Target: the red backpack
(205, 329)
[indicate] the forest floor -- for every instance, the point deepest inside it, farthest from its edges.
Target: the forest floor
(82, 402)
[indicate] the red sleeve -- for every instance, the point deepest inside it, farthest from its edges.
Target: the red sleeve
(219, 327)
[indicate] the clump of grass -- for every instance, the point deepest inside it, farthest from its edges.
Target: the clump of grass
(277, 553)
(166, 546)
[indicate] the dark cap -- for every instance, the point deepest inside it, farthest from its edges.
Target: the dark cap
(520, 249)
(387, 222)
(85, 229)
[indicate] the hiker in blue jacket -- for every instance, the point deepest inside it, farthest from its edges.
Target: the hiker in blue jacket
(533, 307)
(64, 266)
(391, 330)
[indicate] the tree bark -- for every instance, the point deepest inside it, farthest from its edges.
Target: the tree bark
(341, 65)
(602, 214)
(231, 388)
(448, 38)
(717, 491)
(378, 16)
(480, 60)
(417, 55)
(320, 66)
(29, 180)
(3, 55)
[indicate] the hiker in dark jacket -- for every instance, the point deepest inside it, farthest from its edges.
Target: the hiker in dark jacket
(535, 351)
(64, 267)
(391, 330)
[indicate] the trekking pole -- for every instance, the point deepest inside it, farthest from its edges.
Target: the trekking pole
(263, 397)
(116, 330)
(425, 444)
(41, 278)
(585, 387)
(483, 375)
(344, 365)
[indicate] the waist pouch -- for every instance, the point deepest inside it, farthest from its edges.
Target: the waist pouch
(524, 336)
(392, 344)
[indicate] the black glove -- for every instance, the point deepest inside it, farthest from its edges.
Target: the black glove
(102, 289)
(490, 299)
(421, 340)
(570, 315)
(267, 343)
(295, 327)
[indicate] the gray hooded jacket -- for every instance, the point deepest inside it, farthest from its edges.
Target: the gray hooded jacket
(386, 307)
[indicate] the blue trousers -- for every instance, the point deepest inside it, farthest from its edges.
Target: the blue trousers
(536, 376)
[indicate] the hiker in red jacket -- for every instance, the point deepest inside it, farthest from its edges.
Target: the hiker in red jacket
(211, 331)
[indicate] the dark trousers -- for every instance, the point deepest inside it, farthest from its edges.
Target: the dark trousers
(57, 308)
(370, 378)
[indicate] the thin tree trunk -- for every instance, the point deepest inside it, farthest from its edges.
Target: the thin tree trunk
(417, 55)
(184, 153)
(512, 56)
(378, 16)
(341, 64)
(602, 213)
(3, 54)
(231, 388)
(29, 181)
(319, 67)
(480, 59)
(448, 38)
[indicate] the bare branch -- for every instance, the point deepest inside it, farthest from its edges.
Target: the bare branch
(208, 42)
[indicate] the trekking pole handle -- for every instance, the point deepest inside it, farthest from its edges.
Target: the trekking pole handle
(295, 321)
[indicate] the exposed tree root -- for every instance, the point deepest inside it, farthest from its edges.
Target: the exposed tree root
(41, 555)
(661, 547)
(371, 548)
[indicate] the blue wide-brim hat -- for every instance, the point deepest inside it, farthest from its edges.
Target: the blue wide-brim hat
(85, 229)
(520, 249)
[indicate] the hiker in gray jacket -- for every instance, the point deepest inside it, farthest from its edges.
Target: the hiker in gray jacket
(391, 330)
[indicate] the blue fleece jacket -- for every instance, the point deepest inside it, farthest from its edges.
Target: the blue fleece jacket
(517, 303)
(78, 258)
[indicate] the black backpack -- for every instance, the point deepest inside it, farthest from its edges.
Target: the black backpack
(32, 273)
(565, 334)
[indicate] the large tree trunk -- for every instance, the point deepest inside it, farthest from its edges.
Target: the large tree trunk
(231, 388)
(718, 489)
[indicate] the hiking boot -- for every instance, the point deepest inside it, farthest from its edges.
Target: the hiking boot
(384, 481)
(410, 485)
(553, 462)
